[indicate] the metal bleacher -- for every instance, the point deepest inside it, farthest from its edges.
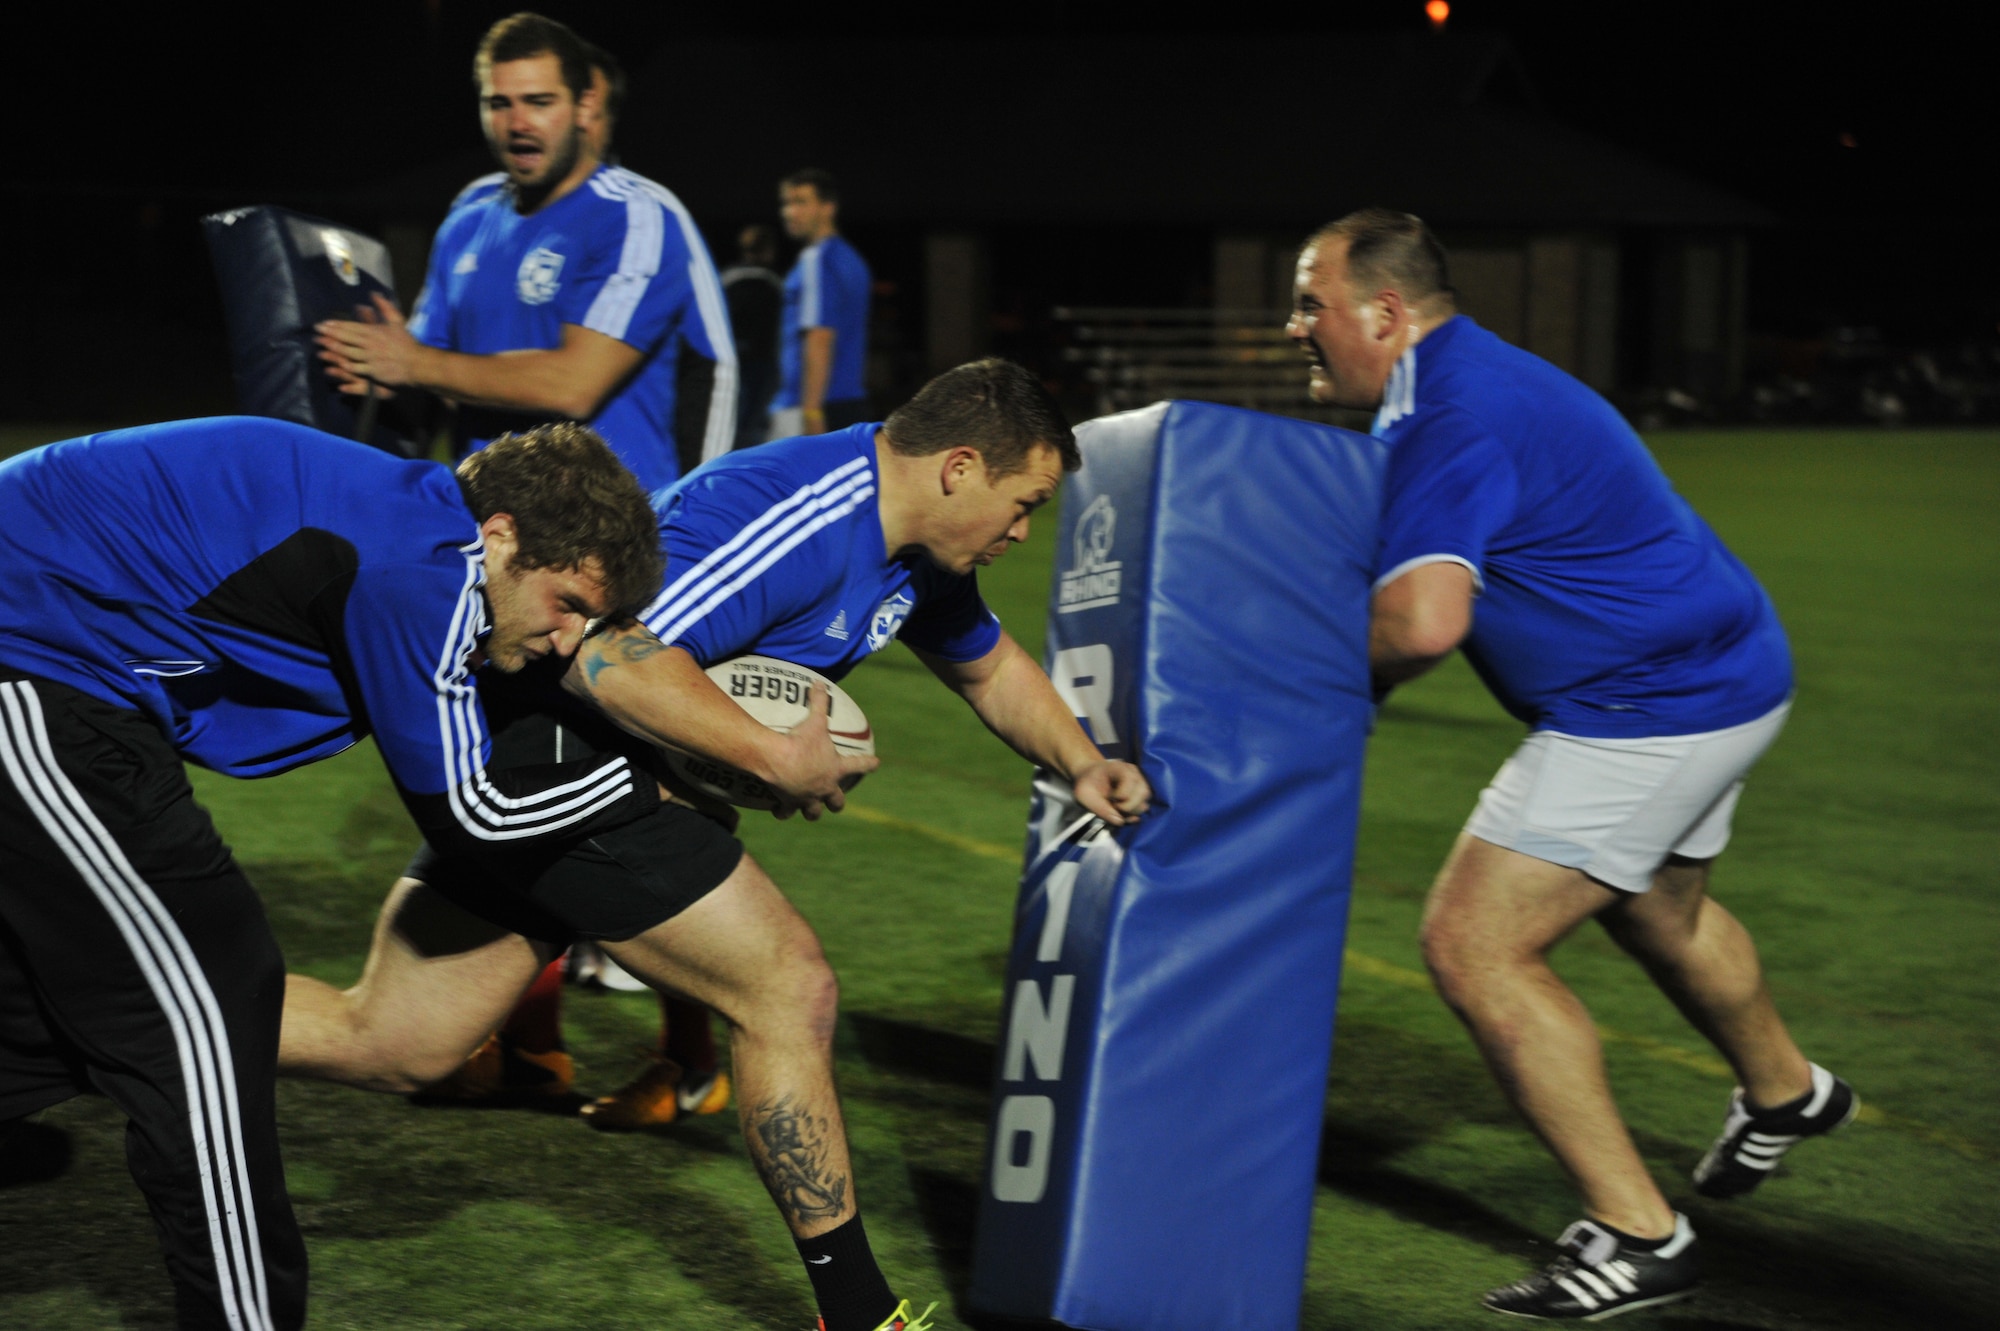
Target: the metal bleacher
(1240, 358)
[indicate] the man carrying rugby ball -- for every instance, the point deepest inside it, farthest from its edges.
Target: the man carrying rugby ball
(818, 550)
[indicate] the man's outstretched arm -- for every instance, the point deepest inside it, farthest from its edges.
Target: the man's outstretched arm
(1019, 704)
(661, 694)
(570, 382)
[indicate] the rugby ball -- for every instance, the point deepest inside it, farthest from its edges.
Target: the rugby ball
(777, 693)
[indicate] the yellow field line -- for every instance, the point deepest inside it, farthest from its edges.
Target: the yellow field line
(991, 850)
(1403, 977)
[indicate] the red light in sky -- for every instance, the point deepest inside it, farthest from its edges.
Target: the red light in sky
(1437, 11)
(1847, 141)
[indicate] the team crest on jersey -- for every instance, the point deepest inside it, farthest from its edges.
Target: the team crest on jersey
(1093, 577)
(537, 282)
(889, 617)
(339, 256)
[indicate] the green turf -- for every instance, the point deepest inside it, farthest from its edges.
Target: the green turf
(1863, 862)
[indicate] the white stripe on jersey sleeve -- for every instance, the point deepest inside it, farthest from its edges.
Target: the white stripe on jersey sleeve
(481, 810)
(783, 525)
(809, 287)
(638, 262)
(491, 178)
(1478, 582)
(719, 432)
(619, 300)
(719, 436)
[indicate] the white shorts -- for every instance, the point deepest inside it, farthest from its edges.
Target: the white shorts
(1616, 808)
(786, 422)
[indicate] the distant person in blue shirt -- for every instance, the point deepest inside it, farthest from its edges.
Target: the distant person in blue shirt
(559, 288)
(821, 551)
(250, 595)
(1526, 524)
(823, 345)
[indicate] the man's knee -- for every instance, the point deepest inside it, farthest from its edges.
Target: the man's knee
(403, 1070)
(1453, 958)
(798, 995)
(397, 1056)
(1493, 916)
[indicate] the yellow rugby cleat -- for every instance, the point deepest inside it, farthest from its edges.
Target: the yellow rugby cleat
(661, 1093)
(901, 1320)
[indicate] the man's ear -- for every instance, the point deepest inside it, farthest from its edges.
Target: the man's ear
(501, 539)
(1390, 314)
(957, 468)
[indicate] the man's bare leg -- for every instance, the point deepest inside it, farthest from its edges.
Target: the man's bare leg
(1492, 917)
(438, 981)
(1703, 959)
(744, 951)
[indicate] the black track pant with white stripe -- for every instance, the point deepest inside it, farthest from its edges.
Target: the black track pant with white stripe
(135, 959)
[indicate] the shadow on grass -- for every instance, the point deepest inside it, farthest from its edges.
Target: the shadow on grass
(950, 1209)
(921, 1051)
(1392, 1092)
(85, 1225)
(32, 1152)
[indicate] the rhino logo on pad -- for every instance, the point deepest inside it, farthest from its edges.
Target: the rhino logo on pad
(1093, 577)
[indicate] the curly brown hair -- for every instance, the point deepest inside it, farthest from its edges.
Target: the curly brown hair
(572, 501)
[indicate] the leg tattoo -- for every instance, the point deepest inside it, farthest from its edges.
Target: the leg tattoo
(794, 1154)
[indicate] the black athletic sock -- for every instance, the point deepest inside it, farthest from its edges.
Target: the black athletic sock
(1785, 1110)
(852, 1292)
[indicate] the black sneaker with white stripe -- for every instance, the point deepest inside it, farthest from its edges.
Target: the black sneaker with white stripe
(1754, 1140)
(1603, 1273)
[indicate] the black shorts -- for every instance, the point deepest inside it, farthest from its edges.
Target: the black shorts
(617, 884)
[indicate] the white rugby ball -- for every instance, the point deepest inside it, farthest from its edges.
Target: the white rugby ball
(778, 694)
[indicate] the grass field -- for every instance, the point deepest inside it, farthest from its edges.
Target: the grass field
(1864, 862)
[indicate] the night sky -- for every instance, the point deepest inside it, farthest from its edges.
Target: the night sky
(1764, 99)
(1868, 131)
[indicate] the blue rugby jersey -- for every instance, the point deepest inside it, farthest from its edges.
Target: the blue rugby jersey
(1607, 607)
(828, 287)
(619, 255)
(779, 550)
(269, 594)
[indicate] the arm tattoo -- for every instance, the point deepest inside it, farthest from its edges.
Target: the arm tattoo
(623, 647)
(793, 1161)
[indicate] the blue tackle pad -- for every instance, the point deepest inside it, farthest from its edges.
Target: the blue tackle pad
(1169, 1006)
(280, 273)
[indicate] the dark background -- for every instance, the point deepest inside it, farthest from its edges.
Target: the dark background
(1867, 132)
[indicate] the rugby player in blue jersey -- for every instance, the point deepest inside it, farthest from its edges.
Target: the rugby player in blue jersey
(251, 595)
(821, 550)
(1525, 524)
(560, 288)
